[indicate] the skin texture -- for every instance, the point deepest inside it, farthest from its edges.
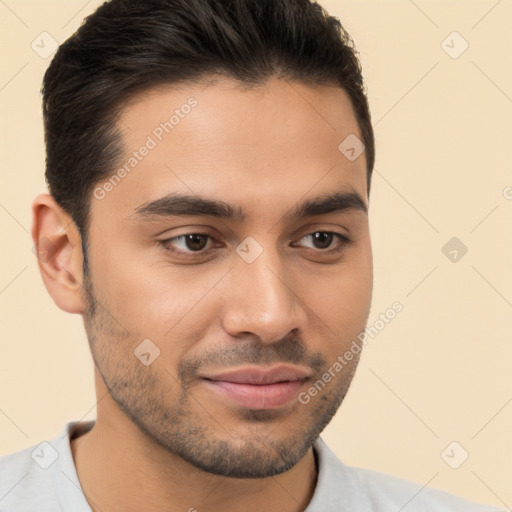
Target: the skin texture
(161, 430)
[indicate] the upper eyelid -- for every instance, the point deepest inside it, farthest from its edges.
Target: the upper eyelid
(341, 237)
(307, 230)
(215, 238)
(211, 237)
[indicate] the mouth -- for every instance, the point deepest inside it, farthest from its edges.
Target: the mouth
(259, 388)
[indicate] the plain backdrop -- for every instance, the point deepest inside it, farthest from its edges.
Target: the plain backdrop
(436, 380)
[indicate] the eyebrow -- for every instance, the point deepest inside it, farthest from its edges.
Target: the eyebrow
(175, 204)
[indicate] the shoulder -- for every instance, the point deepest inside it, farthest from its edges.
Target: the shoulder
(341, 487)
(41, 477)
(25, 484)
(399, 494)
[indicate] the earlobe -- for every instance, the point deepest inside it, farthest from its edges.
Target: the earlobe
(57, 244)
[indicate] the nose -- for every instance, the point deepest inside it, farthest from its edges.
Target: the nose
(260, 300)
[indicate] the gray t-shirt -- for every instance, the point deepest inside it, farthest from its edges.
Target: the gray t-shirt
(43, 478)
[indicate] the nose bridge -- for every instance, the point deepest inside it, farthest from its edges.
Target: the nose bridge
(260, 300)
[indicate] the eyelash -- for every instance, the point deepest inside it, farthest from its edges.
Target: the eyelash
(344, 241)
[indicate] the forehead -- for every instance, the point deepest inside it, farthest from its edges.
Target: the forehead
(263, 146)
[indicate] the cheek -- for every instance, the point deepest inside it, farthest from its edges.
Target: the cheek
(170, 306)
(342, 300)
(155, 299)
(344, 292)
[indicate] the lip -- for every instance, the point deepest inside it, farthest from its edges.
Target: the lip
(260, 376)
(258, 388)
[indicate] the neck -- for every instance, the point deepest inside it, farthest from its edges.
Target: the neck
(120, 468)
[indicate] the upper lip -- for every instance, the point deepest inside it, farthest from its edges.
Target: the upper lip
(261, 376)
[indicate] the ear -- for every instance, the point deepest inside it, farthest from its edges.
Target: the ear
(58, 246)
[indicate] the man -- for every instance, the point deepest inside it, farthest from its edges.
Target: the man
(209, 166)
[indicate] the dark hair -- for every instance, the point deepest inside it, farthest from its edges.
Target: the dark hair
(128, 46)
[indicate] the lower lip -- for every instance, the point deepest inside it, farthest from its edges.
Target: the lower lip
(268, 396)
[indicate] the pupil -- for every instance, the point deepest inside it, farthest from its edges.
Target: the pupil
(321, 236)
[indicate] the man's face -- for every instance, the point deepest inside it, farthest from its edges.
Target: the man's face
(254, 309)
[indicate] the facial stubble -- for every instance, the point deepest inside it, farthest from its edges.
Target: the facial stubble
(168, 410)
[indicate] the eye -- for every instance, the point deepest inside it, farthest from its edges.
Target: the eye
(323, 240)
(189, 243)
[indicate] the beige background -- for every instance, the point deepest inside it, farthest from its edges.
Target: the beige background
(440, 371)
